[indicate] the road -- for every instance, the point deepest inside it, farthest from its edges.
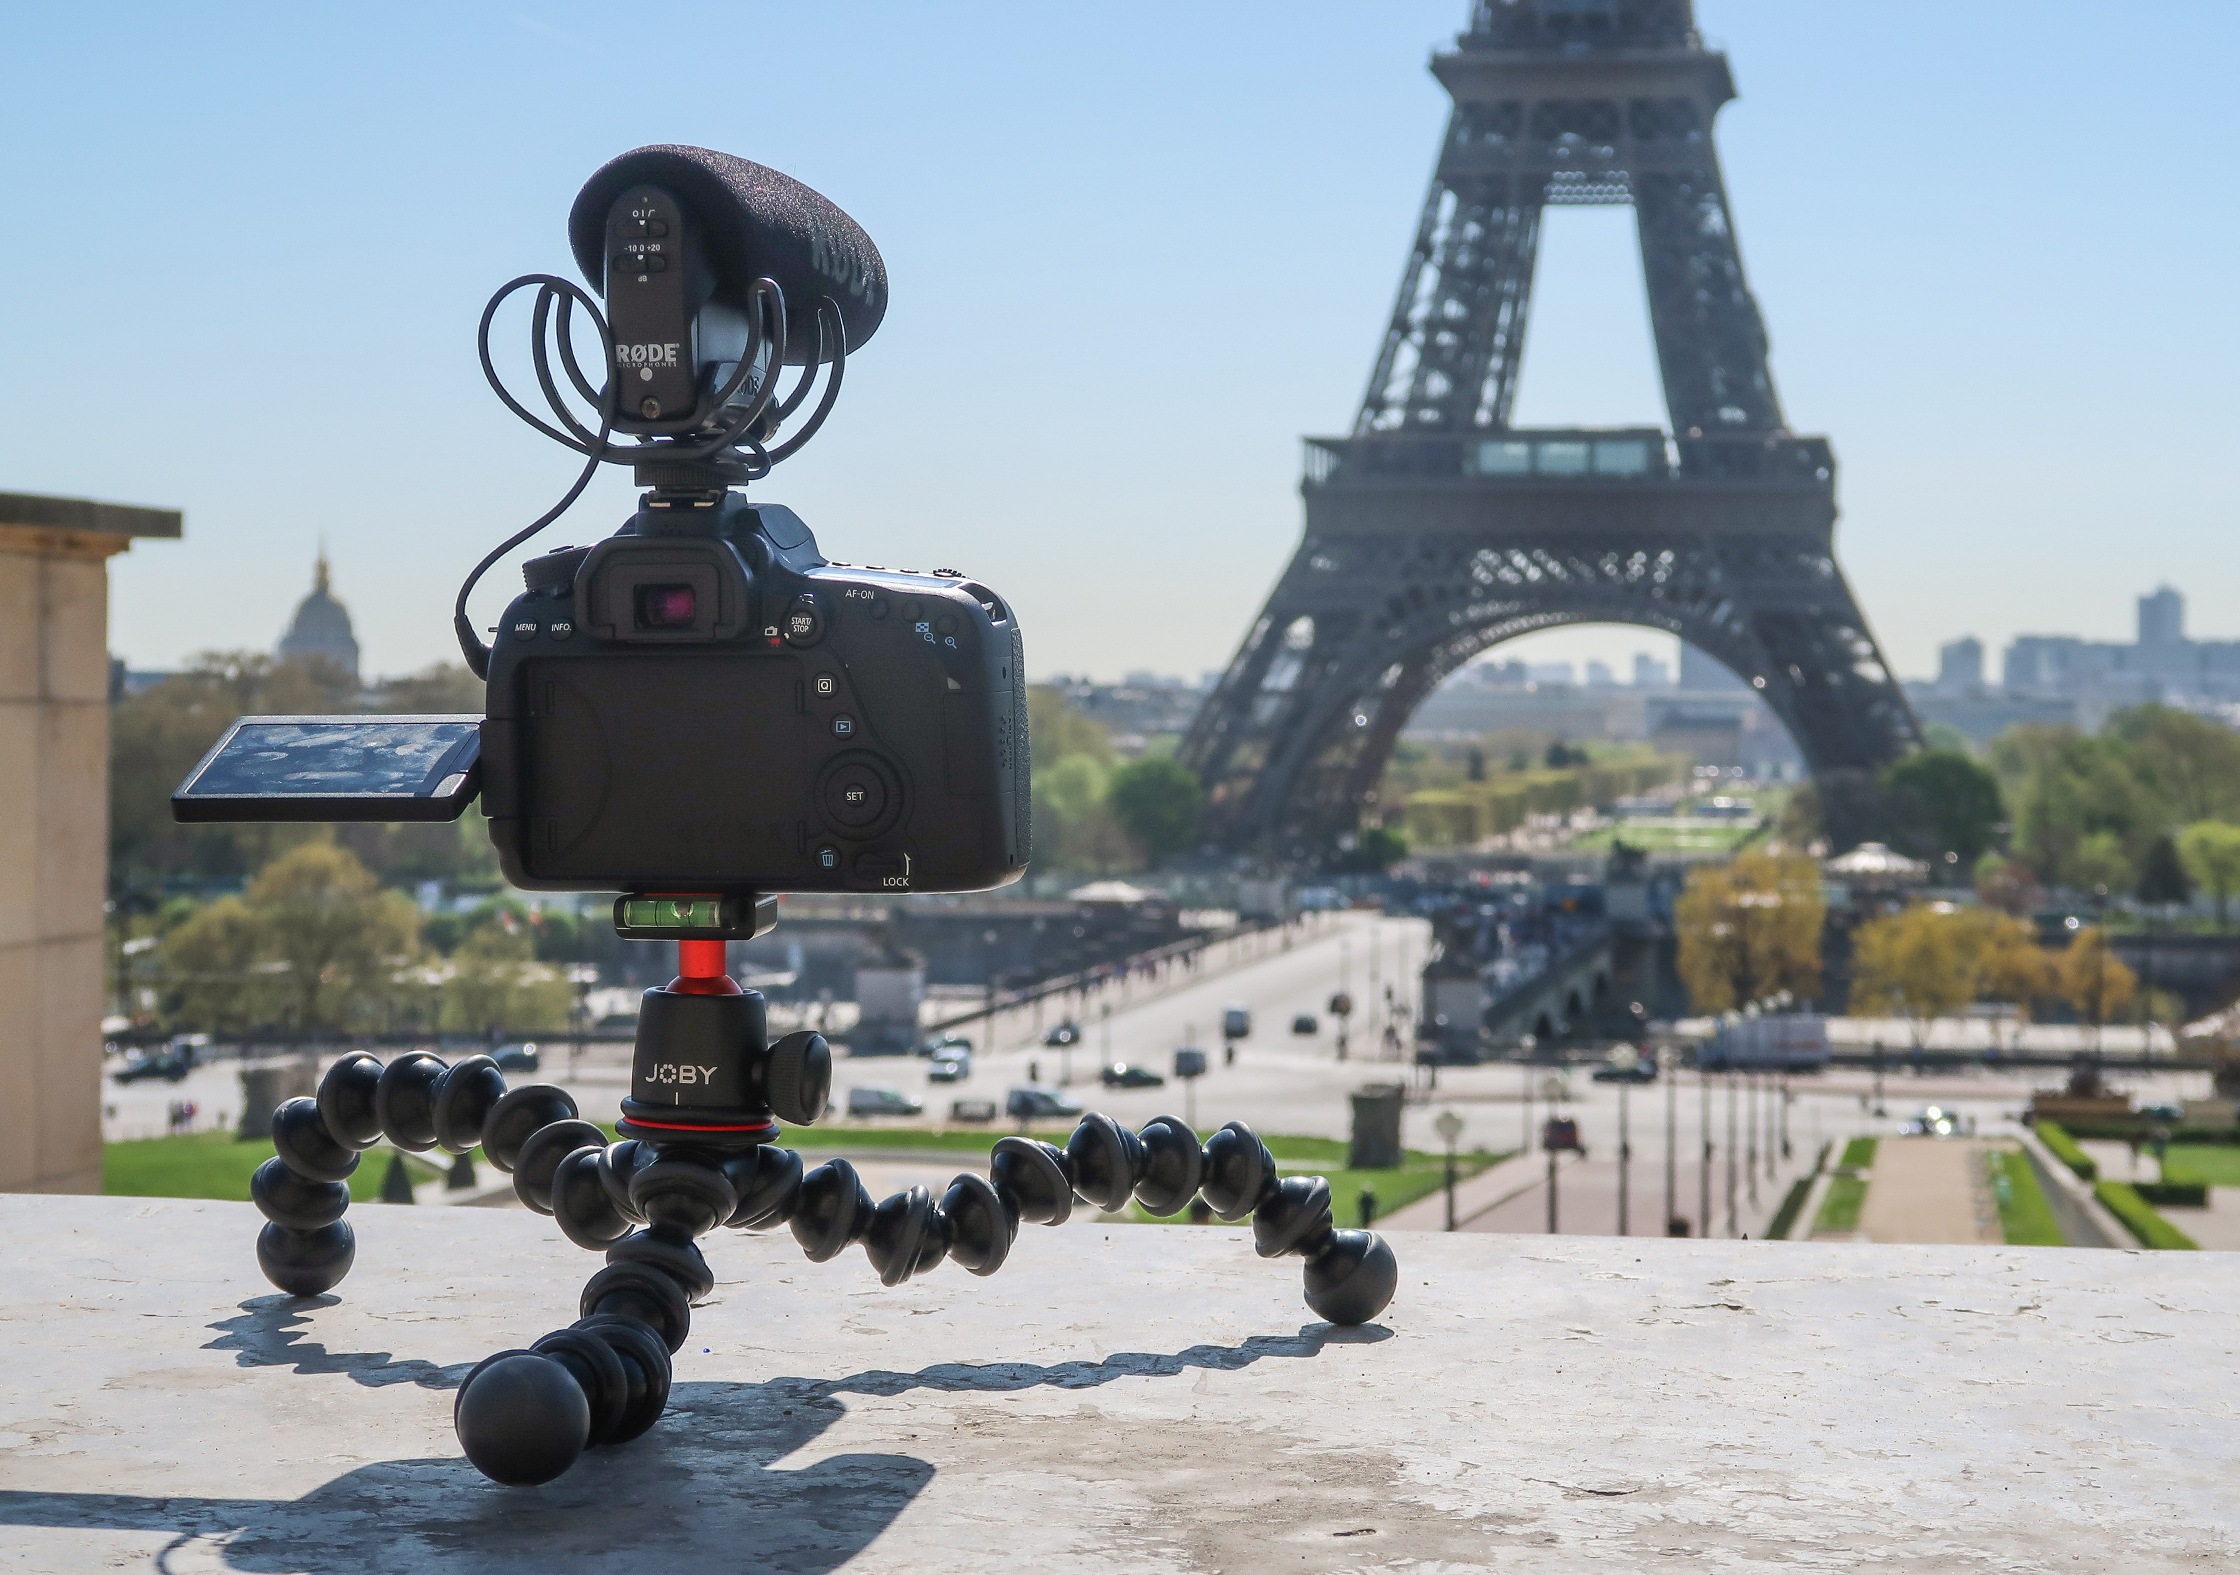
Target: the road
(1286, 1083)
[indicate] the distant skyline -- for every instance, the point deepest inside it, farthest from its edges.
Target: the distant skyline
(1133, 266)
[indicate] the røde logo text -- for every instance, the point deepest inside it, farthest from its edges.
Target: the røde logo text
(645, 355)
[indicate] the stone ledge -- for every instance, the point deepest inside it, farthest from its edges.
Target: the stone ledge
(39, 512)
(1128, 1398)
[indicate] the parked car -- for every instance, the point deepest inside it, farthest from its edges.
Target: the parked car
(1932, 1121)
(882, 1102)
(516, 1058)
(1236, 1023)
(1029, 1102)
(1306, 1023)
(1066, 1033)
(940, 1044)
(139, 1068)
(972, 1110)
(952, 1064)
(1122, 1075)
(1643, 1071)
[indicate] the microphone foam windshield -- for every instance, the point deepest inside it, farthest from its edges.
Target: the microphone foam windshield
(757, 224)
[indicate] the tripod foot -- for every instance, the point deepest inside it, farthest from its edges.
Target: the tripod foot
(1352, 1279)
(522, 1418)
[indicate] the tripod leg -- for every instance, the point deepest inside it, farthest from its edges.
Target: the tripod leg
(1350, 1274)
(524, 1417)
(417, 1103)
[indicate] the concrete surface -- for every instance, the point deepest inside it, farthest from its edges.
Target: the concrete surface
(1128, 1399)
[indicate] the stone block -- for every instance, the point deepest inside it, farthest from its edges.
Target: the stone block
(74, 628)
(66, 1120)
(1128, 1399)
(20, 645)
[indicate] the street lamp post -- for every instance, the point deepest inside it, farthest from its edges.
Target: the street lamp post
(1671, 1135)
(1750, 1149)
(1703, 1179)
(988, 939)
(583, 976)
(1551, 1089)
(1734, 1221)
(1525, 1067)
(1625, 1058)
(1449, 1128)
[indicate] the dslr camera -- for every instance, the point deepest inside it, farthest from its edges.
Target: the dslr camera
(702, 703)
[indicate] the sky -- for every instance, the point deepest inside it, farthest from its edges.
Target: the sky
(1137, 253)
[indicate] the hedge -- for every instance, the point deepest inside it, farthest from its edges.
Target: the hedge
(1785, 1219)
(2174, 1194)
(2141, 1220)
(2065, 1149)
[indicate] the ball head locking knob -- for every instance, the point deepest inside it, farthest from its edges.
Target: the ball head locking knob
(797, 1078)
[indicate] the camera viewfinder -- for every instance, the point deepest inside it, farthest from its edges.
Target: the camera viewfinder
(667, 606)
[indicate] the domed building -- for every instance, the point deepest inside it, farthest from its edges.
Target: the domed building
(321, 627)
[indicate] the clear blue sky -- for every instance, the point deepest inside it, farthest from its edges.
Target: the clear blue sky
(1137, 251)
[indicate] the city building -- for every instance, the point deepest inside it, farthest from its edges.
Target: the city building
(321, 627)
(2065, 680)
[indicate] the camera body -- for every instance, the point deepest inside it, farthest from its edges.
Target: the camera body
(702, 701)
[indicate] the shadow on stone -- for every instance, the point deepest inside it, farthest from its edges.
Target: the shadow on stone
(701, 1491)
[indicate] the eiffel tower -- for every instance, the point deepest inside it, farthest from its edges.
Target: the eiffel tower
(1436, 529)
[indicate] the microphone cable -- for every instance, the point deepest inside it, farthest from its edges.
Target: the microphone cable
(748, 428)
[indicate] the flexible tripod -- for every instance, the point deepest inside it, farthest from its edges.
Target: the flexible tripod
(696, 1150)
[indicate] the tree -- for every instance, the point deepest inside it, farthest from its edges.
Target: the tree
(1940, 801)
(1157, 801)
(2006, 884)
(2162, 873)
(1750, 931)
(2211, 850)
(157, 736)
(1917, 964)
(2098, 862)
(496, 985)
(2010, 966)
(338, 939)
(2094, 979)
(1374, 851)
(2190, 764)
(209, 977)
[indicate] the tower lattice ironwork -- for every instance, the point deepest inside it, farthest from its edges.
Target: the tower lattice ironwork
(1436, 529)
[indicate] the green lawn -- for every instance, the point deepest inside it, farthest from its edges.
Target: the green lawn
(1423, 1175)
(1710, 836)
(2216, 1163)
(2025, 1217)
(215, 1165)
(1839, 1210)
(1858, 1154)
